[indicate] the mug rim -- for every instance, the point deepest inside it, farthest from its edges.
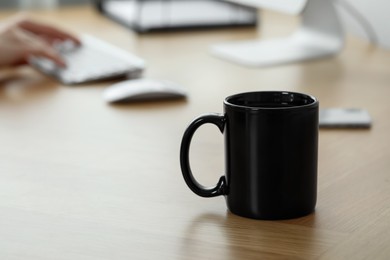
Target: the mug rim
(245, 107)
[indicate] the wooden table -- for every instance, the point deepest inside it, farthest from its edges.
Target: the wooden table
(81, 179)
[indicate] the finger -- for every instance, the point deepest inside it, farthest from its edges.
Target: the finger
(46, 53)
(47, 31)
(41, 49)
(18, 63)
(32, 45)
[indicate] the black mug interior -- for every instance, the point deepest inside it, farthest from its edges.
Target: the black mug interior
(269, 99)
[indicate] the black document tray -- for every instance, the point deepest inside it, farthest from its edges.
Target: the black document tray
(149, 15)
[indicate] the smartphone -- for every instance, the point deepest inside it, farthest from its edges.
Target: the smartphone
(344, 118)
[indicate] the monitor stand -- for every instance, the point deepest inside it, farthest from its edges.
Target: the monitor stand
(320, 34)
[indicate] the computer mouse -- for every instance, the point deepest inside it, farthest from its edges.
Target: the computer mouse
(143, 89)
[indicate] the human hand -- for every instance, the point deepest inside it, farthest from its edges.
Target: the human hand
(21, 39)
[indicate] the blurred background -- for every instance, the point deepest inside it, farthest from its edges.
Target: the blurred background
(374, 12)
(26, 4)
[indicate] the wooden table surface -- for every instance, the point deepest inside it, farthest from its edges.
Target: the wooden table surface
(82, 179)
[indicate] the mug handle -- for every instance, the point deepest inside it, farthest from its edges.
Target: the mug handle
(193, 184)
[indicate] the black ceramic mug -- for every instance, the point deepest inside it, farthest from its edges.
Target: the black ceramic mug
(271, 146)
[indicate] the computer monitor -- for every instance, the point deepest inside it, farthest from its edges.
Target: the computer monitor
(319, 34)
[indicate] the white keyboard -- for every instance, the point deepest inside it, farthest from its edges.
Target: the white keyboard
(93, 60)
